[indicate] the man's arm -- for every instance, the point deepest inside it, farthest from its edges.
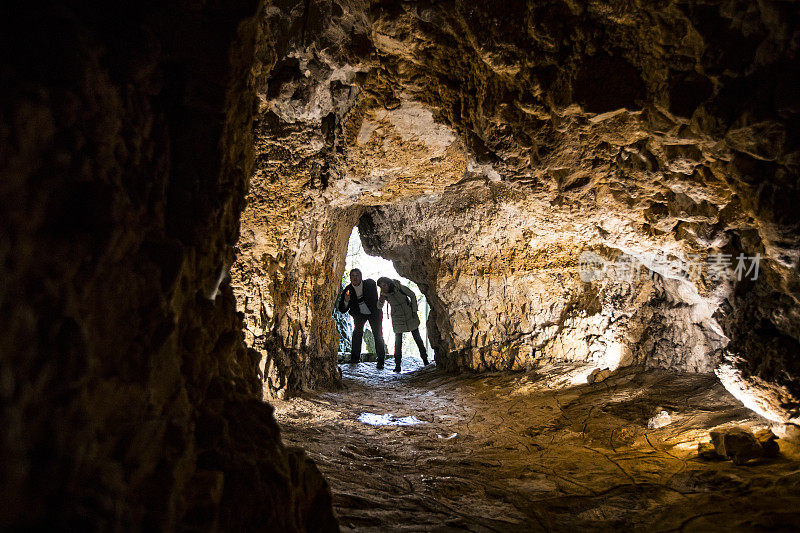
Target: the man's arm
(344, 302)
(381, 301)
(370, 291)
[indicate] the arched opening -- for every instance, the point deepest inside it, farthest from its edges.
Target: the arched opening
(375, 267)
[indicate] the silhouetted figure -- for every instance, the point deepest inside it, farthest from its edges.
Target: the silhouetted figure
(404, 316)
(360, 299)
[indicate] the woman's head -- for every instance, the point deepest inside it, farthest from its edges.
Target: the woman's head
(386, 284)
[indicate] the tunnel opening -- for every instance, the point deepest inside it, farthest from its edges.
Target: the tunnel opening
(376, 267)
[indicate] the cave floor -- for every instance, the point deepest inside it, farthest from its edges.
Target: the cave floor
(506, 452)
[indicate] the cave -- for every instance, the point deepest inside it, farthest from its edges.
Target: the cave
(598, 201)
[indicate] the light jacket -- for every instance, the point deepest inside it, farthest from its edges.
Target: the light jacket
(403, 302)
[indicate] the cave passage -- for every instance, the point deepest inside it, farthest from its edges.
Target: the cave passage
(180, 181)
(375, 267)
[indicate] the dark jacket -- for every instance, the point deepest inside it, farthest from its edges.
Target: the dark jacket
(369, 296)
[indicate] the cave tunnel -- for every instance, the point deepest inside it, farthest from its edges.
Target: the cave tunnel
(598, 201)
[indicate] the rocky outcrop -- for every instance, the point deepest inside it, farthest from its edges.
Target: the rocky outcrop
(314, 174)
(740, 444)
(487, 146)
(516, 300)
(658, 160)
(127, 397)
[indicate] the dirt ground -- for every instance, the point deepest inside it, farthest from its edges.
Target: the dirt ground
(530, 452)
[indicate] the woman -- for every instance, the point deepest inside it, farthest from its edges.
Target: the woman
(404, 316)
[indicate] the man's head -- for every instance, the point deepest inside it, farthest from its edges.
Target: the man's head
(355, 277)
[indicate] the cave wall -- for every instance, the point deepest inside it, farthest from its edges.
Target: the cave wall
(650, 129)
(127, 397)
(481, 147)
(508, 295)
(290, 255)
(325, 148)
(492, 143)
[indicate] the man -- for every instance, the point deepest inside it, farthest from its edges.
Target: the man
(360, 299)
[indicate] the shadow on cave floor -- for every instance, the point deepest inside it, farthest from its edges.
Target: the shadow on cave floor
(500, 452)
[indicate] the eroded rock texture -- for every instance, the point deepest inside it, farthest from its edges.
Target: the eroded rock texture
(481, 146)
(517, 452)
(484, 146)
(127, 397)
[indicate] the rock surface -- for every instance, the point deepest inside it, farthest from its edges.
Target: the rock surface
(737, 444)
(741, 444)
(481, 146)
(128, 400)
(661, 419)
(484, 147)
(507, 452)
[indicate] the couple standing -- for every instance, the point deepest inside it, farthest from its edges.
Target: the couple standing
(361, 299)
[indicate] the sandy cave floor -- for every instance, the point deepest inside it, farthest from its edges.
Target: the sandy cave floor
(507, 452)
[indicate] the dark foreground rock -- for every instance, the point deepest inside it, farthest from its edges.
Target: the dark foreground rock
(741, 445)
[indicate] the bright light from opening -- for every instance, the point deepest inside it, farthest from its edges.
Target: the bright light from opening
(374, 267)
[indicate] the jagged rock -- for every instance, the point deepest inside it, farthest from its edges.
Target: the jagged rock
(599, 375)
(788, 432)
(707, 451)
(129, 400)
(769, 442)
(736, 443)
(740, 444)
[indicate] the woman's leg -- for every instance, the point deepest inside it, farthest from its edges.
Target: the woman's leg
(398, 350)
(420, 345)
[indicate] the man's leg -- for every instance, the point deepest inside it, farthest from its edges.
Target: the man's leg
(420, 345)
(358, 332)
(398, 350)
(376, 323)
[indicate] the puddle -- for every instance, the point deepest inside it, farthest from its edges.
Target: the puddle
(388, 419)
